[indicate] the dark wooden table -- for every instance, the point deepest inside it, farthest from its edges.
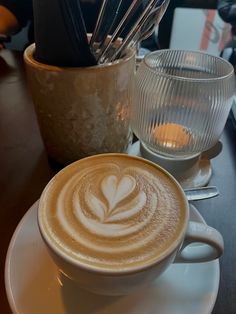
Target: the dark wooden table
(25, 170)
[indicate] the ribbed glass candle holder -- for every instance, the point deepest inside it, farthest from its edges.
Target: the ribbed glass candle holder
(182, 101)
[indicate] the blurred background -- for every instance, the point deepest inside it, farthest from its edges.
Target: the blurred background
(187, 24)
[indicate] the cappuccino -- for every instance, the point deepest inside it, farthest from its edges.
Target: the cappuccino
(113, 211)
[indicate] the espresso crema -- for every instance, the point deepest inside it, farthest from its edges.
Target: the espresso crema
(112, 211)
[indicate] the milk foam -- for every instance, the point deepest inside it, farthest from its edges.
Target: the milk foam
(112, 212)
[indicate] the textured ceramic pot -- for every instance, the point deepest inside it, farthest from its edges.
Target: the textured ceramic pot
(82, 111)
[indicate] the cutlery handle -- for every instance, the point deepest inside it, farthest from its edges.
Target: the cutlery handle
(106, 19)
(132, 10)
(158, 8)
(201, 193)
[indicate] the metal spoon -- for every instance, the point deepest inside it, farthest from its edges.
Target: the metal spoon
(145, 12)
(136, 34)
(152, 21)
(201, 193)
(135, 4)
(105, 21)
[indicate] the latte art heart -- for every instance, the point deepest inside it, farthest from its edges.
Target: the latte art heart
(113, 212)
(115, 190)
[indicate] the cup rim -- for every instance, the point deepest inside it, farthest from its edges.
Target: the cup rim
(116, 272)
(29, 59)
(230, 70)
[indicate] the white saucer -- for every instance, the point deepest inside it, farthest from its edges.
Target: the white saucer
(35, 286)
(197, 176)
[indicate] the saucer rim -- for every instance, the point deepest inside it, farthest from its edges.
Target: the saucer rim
(7, 268)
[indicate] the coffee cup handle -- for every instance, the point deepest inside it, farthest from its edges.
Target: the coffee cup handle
(207, 244)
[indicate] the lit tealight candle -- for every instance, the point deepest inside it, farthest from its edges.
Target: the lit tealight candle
(172, 135)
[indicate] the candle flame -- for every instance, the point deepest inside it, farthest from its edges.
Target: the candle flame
(172, 135)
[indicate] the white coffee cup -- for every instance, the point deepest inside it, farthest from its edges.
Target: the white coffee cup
(114, 223)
